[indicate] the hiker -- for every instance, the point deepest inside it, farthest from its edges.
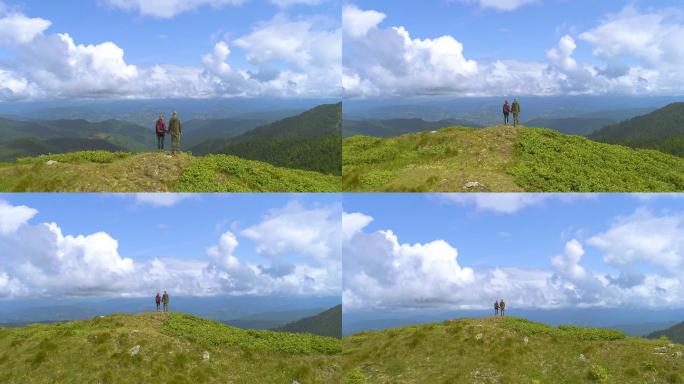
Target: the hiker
(161, 130)
(157, 300)
(506, 111)
(165, 300)
(502, 305)
(496, 308)
(515, 108)
(176, 129)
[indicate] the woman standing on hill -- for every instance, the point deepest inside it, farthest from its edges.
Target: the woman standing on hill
(161, 130)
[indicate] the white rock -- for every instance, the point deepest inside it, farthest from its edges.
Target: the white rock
(206, 356)
(472, 184)
(134, 351)
(433, 132)
(678, 353)
(51, 162)
(582, 357)
(526, 340)
(295, 382)
(478, 336)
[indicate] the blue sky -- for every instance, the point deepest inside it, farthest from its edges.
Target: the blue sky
(521, 233)
(201, 244)
(206, 48)
(610, 47)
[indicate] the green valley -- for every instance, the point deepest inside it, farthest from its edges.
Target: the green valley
(163, 348)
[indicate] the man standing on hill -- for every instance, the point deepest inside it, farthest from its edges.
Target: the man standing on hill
(515, 108)
(176, 129)
(161, 130)
(502, 305)
(157, 300)
(165, 300)
(506, 111)
(496, 308)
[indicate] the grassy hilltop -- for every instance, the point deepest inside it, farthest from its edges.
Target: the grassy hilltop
(504, 159)
(508, 350)
(154, 348)
(102, 171)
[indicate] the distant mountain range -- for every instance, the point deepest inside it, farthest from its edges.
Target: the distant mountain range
(662, 129)
(674, 333)
(328, 323)
(396, 127)
(310, 141)
(582, 126)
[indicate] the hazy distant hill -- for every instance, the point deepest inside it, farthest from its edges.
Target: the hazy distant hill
(674, 333)
(31, 138)
(395, 127)
(582, 126)
(328, 323)
(270, 320)
(662, 129)
(311, 141)
(196, 132)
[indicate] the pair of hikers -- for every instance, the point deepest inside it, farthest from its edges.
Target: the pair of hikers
(162, 299)
(513, 108)
(175, 128)
(499, 307)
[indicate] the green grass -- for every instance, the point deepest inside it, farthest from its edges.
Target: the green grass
(508, 350)
(504, 159)
(102, 171)
(171, 351)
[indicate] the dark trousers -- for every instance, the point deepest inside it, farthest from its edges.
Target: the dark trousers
(496, 311)
(166, 307)
(516, 118)
(505, 118)
(160, 141)
(158, 306)
(502, 312)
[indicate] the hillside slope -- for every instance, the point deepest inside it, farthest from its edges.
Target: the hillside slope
(507, 350)
(662, 129)
(102, 171)
(327, 323)
(157, 348)
(504, 159)
(674, 333)
(308, 141)
(394, 127)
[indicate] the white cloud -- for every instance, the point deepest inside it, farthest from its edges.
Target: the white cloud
(13, 217)
(643, 237)
(288, 3)
(500, 5)
(16, 28)
(39, 260)
(508, 203)
(167, 8)
(638, 52)
(161, 199)
(382, 273)
(54, 66)
(357, 22)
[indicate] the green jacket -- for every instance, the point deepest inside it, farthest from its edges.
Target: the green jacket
(515, 108)
(165, 299)
(175, 126)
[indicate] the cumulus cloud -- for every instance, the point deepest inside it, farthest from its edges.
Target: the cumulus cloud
(40, 260)
(383, 273)
(167, 8)
(500, 5)
(638, 52)
(508, 203)
(13, 217)
(161, 199)
(306, 63)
